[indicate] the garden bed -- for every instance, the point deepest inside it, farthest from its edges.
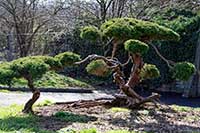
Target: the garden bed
(164, 119)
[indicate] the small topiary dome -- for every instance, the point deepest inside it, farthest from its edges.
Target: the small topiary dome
(29, 66)
(149, 71)
(90, 33)
(183, 70)
(98, 68)
(67, 58)
(136, 46)
(54, 63)
(130, 28)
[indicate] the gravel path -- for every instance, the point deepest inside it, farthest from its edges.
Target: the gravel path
(10, 98)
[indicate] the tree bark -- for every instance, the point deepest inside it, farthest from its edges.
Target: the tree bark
(192, 87)
(133, 98)
(35, 97)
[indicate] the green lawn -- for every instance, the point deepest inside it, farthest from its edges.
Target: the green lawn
(13, 121)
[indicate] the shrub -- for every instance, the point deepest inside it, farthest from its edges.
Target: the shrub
(6, 74)
(28, 66)
(149, 71)
(54, 63)
(98, 68)
(183, 70)
(67, 58)
(136, 46)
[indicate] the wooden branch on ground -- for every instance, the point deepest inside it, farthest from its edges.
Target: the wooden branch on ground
(98, 99)
(118, 101)
(151, 98)
(88, 103)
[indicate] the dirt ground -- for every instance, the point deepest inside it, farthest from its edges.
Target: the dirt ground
(170, 119)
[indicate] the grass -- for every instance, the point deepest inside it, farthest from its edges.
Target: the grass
(7, 91)
(11, 121)
(52, 80)
(187, 109)
(93, 130)
(192, 118)
(4, 91)
(116, 109)
(45, 103)
(184, 108)
(113, 131)
(70, 117)
(121, 131)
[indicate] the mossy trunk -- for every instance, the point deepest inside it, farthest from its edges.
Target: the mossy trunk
(192, 87)
(35, 97)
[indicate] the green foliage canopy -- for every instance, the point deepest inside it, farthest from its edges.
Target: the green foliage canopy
(6, 74)
(130, 28)
(28, 66)
(133, 32)
(186, 23)
(183, 70)
(136, 46)
(53, 63)
(90, 33)
(149, 71)
(98, 68)
(67, 58)
(181, 21)
(34, 66)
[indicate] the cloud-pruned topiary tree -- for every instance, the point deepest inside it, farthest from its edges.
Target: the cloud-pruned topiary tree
(137, 36)
(32, 68)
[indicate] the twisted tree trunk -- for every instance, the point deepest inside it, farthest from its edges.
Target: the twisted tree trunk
(132, 98)
(35, 97)
(128, 97)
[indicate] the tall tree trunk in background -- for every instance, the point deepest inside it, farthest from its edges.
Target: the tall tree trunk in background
(192, 87)
(10, 46)
(117, 8)
(28, 17)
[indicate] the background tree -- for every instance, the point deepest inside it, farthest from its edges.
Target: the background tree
(187, 24)
(27, 18)
(192, 88)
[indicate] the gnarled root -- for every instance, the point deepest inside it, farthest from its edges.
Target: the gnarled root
(29, 104)
(132, 103)
(117, 101)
